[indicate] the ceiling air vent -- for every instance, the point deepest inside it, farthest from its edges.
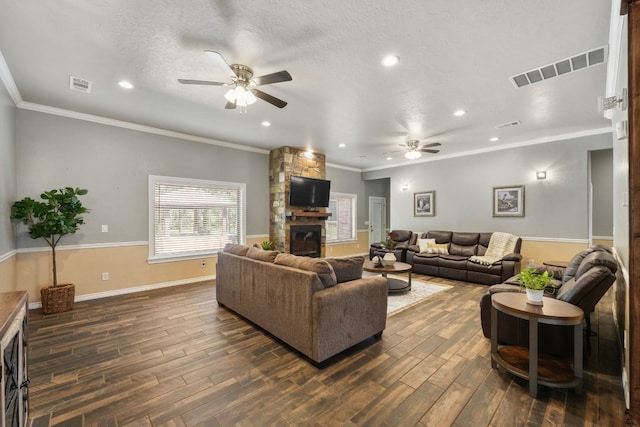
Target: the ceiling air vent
(563, 66)
(81, 85)
(508, 124)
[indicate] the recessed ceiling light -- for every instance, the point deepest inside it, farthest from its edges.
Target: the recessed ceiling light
(342, 145)
(460, 113)
(389, 158)
(390, 60)
(494, 139)
(266, 123)
(125, 84)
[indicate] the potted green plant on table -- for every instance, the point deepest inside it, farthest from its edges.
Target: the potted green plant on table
(535, 284)
(57, 215)
(268, 246)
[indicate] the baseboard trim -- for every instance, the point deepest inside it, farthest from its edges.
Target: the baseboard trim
(116, 292)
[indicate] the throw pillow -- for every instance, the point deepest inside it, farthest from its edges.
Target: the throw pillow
(235, 249)
(347, 269)
(438, 248)
(261, 254)
(423, 244)
(317, 265)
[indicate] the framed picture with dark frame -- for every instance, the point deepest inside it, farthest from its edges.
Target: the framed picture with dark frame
(508, 201)
(424, 203)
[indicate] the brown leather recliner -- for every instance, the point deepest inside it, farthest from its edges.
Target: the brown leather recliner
(401, 239)
(583, 282)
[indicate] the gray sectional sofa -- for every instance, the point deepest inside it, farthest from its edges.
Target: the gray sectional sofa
(320, 307)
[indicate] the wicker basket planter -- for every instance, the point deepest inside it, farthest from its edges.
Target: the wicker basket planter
(58, 299)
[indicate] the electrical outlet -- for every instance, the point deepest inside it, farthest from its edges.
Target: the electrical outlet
(105, 228)
(105, 276)
(203, 263)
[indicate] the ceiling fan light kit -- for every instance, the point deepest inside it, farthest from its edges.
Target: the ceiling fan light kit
(412, 155)
(242, 92)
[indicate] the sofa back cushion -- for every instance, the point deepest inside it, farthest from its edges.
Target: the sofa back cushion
(440, 236)
(236, 249)
(464, 244)
(595, 259)
(346, 269)
(483, 243)
(575, 262)
(261, 255)
(317, 265)
(400, 236)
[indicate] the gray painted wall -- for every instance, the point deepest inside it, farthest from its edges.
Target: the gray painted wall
(602, 183)
(346, 181)
(114, 164)
(554, 208)
(7, 169)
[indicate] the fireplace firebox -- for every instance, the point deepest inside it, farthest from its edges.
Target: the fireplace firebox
(305, 240)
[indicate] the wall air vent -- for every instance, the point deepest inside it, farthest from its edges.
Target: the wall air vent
(81, 85)
(577, 62)
(508, 124)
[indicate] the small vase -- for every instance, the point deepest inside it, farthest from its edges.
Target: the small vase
(534, 296)
(389, 259)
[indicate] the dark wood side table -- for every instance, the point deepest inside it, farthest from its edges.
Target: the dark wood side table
(395, 285)
(527, 363)
(561, 264)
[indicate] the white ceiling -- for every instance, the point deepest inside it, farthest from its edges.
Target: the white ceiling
(454, 54)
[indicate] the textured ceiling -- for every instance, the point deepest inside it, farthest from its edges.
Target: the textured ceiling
(454, 54)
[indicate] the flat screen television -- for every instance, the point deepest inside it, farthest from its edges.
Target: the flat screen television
(309, 192)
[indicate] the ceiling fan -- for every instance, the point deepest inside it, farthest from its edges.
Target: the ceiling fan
(243, 90)
(414, 150)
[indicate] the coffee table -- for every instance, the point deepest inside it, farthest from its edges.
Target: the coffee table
(395, 285)
(527, 363)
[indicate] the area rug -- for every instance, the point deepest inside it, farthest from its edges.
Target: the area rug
(419, 292)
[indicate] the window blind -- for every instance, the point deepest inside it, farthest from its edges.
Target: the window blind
(194, 217)
(341, 226)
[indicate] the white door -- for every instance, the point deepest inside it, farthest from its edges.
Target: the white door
(377, 219)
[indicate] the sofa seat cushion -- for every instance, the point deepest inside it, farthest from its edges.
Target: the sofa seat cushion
(346, 269)
(317, 265)
(490, 269)
(453, 261)
(427, 259)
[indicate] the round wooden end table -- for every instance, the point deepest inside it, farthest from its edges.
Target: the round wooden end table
(527, 363)
(395, 285)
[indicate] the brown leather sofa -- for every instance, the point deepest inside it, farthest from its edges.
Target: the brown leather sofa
(401, 239)
(583, 282)
(456, 265)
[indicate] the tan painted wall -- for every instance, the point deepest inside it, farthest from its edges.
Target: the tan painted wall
(8, 274)
(127, 267)
(350, 248)
(541, 251)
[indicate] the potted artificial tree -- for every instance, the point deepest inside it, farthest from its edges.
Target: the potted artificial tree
(535, 284)
(58, 215)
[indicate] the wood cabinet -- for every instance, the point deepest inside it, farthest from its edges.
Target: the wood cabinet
(14, 380)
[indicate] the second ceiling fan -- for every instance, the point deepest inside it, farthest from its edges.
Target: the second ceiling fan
(243, 85)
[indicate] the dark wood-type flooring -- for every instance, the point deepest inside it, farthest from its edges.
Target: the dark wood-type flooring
(172, 357)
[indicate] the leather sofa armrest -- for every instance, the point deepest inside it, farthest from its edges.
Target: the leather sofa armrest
(377, 245)
(512, 257)
(413, 248)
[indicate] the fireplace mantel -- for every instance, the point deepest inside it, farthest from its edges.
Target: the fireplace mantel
(319, 215)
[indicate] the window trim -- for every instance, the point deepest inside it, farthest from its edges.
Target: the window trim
(354, 216)
(159, 179)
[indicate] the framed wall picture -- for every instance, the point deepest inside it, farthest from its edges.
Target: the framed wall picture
(508, 201)
(424, 203)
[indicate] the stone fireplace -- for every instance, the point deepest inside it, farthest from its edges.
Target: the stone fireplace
(285, 162)
(305, 240)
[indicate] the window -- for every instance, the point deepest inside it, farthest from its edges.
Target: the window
(189, 218)
(341, 225)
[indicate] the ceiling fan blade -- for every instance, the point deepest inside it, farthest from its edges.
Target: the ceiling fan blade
(220, 62)
(230, 105)
(199, 82)
(428, 150)
(433, 144)
(280, 76)
(269, 98)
